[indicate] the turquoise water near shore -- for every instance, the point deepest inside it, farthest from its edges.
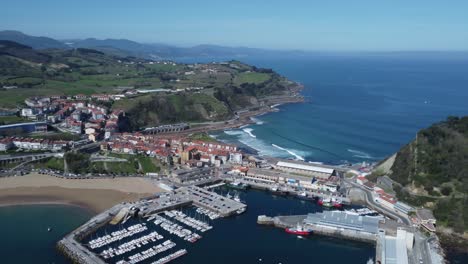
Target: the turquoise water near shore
(358, 108)
(24, 236)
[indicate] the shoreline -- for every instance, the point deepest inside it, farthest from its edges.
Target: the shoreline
(94, 195)
(52, 203)
(244, 118)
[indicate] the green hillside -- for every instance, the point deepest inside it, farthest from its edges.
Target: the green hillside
(433, 170)
(196, 92)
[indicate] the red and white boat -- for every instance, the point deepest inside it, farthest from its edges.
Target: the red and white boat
(298, 230)
(329, 202)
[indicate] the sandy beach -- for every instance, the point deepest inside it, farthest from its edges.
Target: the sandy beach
(94, 194)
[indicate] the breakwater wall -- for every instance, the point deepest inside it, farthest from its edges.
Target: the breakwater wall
(294, 220)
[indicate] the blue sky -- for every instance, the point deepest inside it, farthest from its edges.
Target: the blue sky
(287, 24)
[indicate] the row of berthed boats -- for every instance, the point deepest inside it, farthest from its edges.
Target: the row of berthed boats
(149, 253)
(117, 235)
(212, 215)
(189, 221)
(170, 257)
(176, 229)
(131, 245)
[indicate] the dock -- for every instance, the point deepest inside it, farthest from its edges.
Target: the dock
(364, 231)
(290, 191)
(120, 215)
(216, 185)
(71, 244)
(211, 200)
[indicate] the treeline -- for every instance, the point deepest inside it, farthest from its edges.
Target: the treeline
(172, 109)
(437, 160)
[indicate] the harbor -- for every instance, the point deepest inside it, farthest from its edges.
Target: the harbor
(194, 229)
(153, 230)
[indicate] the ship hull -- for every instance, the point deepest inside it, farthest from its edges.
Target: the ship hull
(281, 193)
(307, 198)
(238, 187)
(297, 232)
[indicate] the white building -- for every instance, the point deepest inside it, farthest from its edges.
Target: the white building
(319, 172)
(235, 157)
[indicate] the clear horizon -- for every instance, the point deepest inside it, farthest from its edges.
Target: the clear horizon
(296, 25)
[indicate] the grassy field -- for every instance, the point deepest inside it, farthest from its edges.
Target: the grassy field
(202, 136)
(127, 104)
(57, 136)
(251, 77)
(52, 163)
(6, 120)
(133, 164)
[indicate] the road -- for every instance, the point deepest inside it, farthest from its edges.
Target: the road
(420, 248)
(378, 207)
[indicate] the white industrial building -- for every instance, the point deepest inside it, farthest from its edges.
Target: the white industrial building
(319, 172)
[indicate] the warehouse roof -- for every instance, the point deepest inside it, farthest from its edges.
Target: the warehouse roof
(304, 167)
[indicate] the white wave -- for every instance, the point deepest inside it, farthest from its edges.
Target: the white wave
(257, 121)
(263, 148)
(233, 132)
(316, 162)
(249, 132)
(290, 152)
(278, 147)
(361, 154)
(213, 136)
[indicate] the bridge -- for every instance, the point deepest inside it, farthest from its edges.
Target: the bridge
(166, 129)
(29, 157)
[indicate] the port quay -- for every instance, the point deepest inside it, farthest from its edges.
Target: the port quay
(208, 203)
(158, 229)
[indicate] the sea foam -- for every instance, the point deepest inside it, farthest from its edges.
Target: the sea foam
(249, 132)
(361, 154)
(298, 157)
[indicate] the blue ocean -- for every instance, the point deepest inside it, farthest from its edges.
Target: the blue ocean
(360, 107)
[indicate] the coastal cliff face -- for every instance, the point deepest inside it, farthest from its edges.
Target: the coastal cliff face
(153, 92)
(243, 88)
(432, 171)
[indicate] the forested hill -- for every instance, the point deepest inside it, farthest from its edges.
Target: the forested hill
(433, 170)
(158, 92)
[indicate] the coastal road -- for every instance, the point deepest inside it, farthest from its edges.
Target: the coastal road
(420, 249)
(370, 201)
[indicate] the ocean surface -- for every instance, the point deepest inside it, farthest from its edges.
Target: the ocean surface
(24, 237)
(359, 108)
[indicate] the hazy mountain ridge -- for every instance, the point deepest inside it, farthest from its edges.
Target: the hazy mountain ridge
(125, 47)
(32, 41)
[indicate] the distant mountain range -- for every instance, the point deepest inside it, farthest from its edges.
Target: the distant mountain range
(125, 47)
(31, 41)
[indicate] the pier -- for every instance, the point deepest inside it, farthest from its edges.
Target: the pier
(208, 203)
(332, 223)
(390, 248)
(290, 190)
(211, 200)
(216, 185)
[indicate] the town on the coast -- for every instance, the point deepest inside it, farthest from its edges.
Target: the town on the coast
(190, 168)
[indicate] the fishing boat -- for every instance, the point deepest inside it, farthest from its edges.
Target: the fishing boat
(276, 190)
(298, 230)
(304, 196)
(238, 185)
(328, 202)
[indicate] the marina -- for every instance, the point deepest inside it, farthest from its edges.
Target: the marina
(131, 232)
(186, 230)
